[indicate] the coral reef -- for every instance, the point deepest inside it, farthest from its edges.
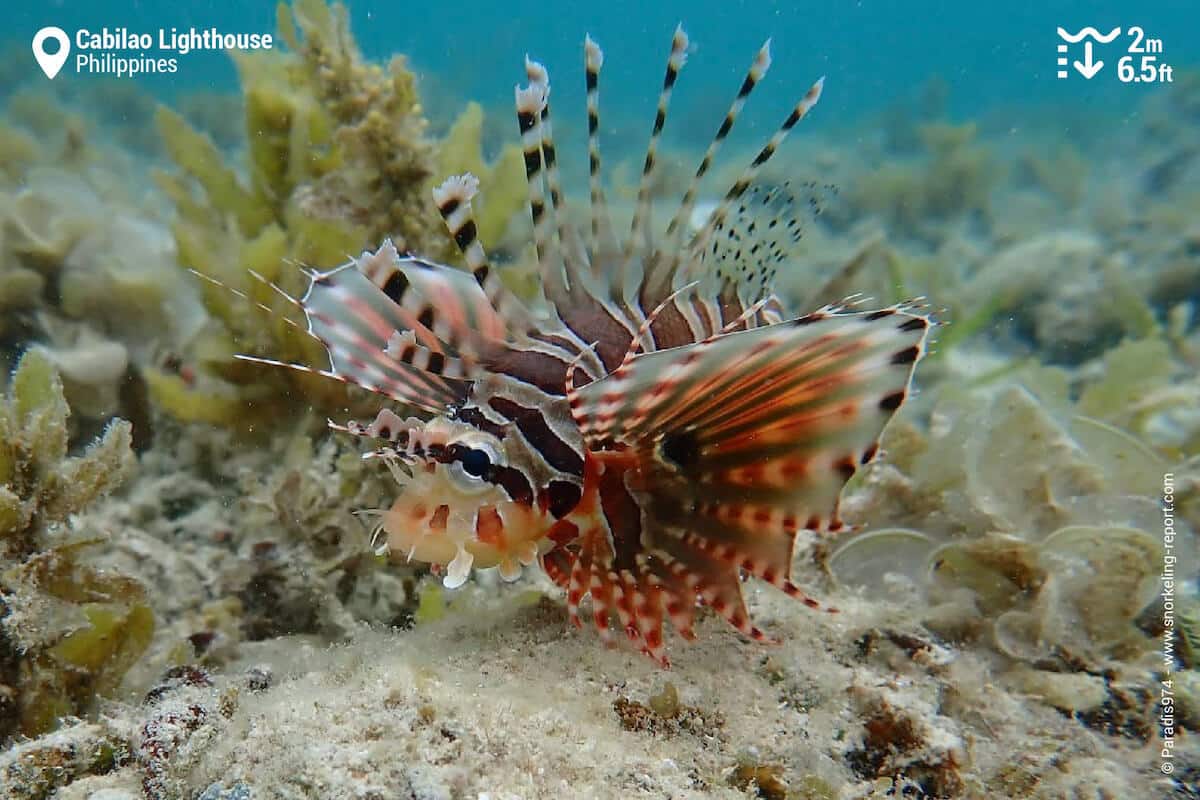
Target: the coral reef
(68, 631)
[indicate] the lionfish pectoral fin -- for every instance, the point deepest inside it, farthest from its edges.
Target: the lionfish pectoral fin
(740, 441)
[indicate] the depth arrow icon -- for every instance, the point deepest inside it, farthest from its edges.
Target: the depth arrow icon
(1087, 68)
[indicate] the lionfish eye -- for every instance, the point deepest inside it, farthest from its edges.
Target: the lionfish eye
(475, 462)
(471, 465)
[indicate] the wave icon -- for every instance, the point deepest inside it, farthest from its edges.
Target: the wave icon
(1088, 31)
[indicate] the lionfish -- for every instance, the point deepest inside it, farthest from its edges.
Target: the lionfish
(663, 432)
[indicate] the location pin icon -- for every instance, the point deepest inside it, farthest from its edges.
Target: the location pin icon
(51, 63)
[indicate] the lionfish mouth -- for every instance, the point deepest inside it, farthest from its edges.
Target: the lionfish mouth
(667, 430)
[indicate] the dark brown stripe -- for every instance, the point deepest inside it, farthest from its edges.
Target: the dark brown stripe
(533, 161)
(624, 517)
(892, 401)
(449, 207)
(475, 418)
(764, 155)
(437, 363)
(515, 484)
(526, 119)
(465, 235)
(591, 78)
(536, 369)
(915, 324)
(747, 86)
(725, 128)
(846, 467)
(906, 356)
(537, 432)
(395, 286)
(563, 496)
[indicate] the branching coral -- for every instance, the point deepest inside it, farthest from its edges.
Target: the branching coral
(67, 632)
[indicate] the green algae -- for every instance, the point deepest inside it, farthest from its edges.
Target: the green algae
(68, 631)
(502, 186)
(955, 176)
(338, 159)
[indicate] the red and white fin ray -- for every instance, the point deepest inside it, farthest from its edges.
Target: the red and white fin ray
(355, 321)
(736, 443)
(399, 393)
(404, 348)
(415, 382)
(445, 307)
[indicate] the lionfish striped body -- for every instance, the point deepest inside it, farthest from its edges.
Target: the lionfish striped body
(666, 429)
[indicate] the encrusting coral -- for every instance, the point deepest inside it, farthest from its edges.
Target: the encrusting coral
(68, 632)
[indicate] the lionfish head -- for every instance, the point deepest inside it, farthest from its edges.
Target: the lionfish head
(452, 507)
(659, 428)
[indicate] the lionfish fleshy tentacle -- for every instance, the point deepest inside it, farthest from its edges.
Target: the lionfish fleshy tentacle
(453, 198)
(639, 232)
(387, 425)
(444, 307)
(354, 322)
(801, 109)
(603, 242)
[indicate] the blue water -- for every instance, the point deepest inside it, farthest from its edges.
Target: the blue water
(990, 56)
